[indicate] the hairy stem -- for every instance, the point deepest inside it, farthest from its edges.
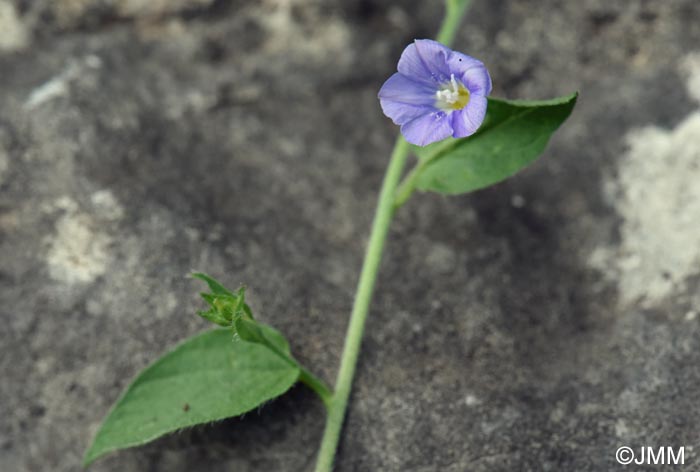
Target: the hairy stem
(386, 207)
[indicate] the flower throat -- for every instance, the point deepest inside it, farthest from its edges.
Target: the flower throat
(452, 96)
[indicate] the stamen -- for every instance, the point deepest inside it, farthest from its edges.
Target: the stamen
(455, 88)
(450, 97)
(453, 95)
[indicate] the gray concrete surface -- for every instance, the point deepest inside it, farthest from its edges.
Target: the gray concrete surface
(537, 325)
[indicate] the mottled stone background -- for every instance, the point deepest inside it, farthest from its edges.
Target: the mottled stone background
(536, 325)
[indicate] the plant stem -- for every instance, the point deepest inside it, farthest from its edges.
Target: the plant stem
(455, 10)
(386, 207)
(406, 188)
(408, 185)
(317, 385)
(368, 276)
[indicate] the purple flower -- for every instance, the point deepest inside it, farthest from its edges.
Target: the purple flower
(436, 93)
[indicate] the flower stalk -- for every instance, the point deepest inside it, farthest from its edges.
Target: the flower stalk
(386, 207)
(454, 11)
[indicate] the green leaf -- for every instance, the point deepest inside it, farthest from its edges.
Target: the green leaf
(254, 332)
(230, 310)
(207, 378)
(512, 136)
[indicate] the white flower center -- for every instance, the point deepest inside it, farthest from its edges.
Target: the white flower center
(452, 96)
(449, 95)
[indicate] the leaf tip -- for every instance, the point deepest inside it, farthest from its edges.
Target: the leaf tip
(90, 456)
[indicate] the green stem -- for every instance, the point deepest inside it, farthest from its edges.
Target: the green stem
(317, 385)
(406, 188)
(386, 207)
(368, 276)
(455, 10)
(408, 185)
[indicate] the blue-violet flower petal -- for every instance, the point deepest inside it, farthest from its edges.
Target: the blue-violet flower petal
(436, 93)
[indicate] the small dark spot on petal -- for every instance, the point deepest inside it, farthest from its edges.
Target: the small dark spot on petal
(186, 407)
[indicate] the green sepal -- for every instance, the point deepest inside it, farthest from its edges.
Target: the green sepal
(224, 306)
